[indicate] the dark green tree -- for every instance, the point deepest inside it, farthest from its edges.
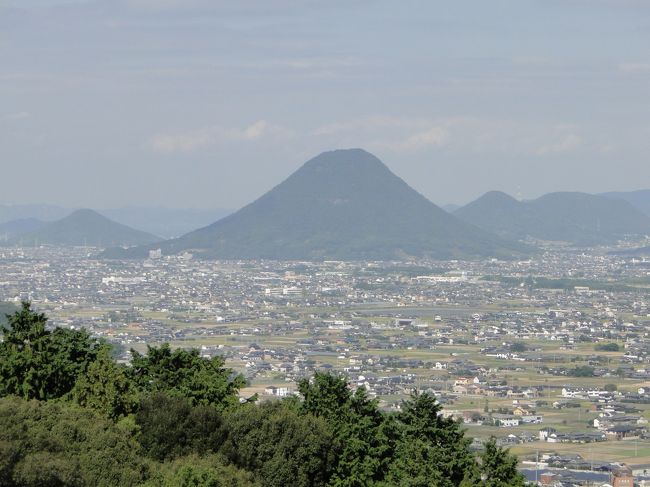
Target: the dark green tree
(185, 373)
(496, 468)
(36, 363)
(196, 471)
(280, 446)
(106, 387)
(518, 347)
(581, 371)
(170, 426)
(57, 443)
(607, 347)
(366, 436)
(433, 450)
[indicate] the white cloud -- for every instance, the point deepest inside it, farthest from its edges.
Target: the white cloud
(214, 135)
(398, 134)
(9, 117)
(369, 124)
(432, 137)
(567, 143)
(466, 135)
(460, 135)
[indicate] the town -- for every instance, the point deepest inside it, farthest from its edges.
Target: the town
(550, 355)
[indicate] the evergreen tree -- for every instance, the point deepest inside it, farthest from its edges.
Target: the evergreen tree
(36, 363)
(200, 471)
(106, 387)
(365, 435)
(433, 450)
(185, 373)
(280, 446)
(496, 468)
(57, 443)
(170, 426)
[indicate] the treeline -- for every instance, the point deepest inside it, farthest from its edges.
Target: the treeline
(70, 415)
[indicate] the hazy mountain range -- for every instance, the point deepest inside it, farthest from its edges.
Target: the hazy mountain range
(639, 199)
(579, 218)
(84, 228)
(10, 213)
(163, 222)
(13, 228)
(343, 204)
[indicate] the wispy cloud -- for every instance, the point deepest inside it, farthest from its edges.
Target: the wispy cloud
(433, 137)
(214, 135)
(464, 135)
(369, 124)
(634, 68)
(397, 134)
(9, 117)
(567, 143)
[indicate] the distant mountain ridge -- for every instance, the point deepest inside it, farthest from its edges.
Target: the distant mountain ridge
(36, 211)
(17, 227)
(345, 205)
(639, 199)
(165, 222)
(85, 228)
(579, 218)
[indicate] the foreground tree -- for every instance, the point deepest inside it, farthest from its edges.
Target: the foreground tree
(432, 450)
(170, 426)
(200, 471)
(36, 363)
(60, 444)
(185, 373)
(279, 445)
(106, 387)
(496, 467)
(365, 436)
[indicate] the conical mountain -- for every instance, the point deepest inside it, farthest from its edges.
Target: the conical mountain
(344, 204)
(85, 227)
(574, 217)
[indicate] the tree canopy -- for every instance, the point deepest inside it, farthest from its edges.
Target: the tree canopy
(185, 373)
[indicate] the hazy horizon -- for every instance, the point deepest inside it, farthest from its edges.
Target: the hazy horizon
(203, 104)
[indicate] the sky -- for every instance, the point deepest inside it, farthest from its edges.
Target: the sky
(210, 103)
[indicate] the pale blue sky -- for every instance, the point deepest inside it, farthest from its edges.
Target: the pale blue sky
(209, 103)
